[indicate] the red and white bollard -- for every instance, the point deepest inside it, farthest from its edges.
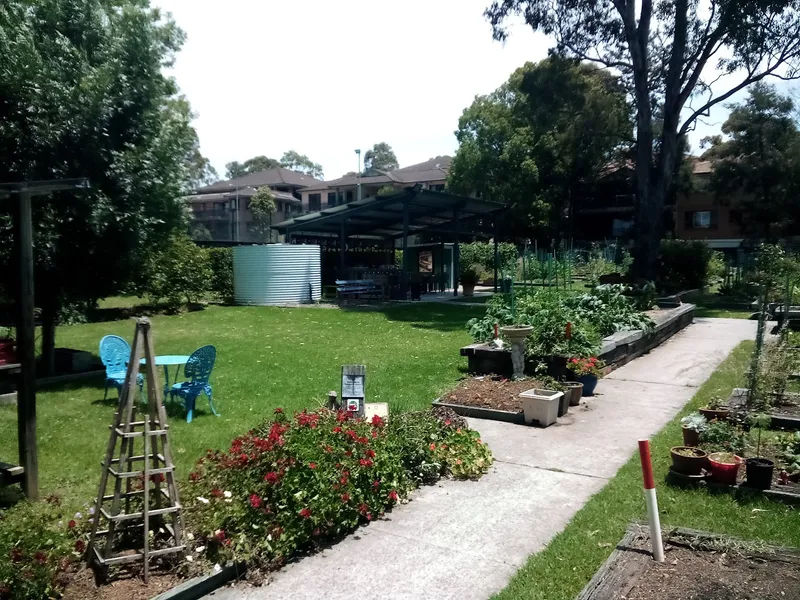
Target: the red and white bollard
(650, 499)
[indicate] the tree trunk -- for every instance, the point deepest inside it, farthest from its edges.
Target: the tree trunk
(49, 316)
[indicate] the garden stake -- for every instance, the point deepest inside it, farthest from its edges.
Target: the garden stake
(652, 502)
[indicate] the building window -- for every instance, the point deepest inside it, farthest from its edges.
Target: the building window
(700, 219)
(314, 202)
(331, 199)
(349, 196)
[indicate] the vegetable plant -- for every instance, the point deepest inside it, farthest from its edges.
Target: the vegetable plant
(695, 421)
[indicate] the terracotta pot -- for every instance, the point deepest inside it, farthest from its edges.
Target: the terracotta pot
(691, 437)
(724, 472)
(721, 414)
(468, 289)
(688, 465)
(575, 390)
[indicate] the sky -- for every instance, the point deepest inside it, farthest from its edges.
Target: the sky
(325, 77)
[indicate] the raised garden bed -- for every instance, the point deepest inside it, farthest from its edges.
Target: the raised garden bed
(697, 565)
(785, 414)
(616, 350)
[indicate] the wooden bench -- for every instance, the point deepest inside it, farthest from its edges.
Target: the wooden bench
(10, 474)
(358, 288)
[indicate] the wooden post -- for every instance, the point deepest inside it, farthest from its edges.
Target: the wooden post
(26, 392)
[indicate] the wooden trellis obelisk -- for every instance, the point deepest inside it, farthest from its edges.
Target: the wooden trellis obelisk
(133, 513)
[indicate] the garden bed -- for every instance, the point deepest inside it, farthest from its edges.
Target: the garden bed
(785, 414)
(698, 565)
(489, 397)
(616, 350)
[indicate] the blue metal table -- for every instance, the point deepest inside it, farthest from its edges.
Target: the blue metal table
(167, 361)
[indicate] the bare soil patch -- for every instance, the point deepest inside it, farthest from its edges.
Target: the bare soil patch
(128, 586)
(490, 392)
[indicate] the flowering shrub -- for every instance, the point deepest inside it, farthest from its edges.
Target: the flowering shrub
(38, 544)
(586, 366)
(292, 483)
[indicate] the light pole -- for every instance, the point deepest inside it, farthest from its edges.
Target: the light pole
(358, 174)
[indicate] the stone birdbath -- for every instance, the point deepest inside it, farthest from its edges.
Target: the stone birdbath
(517, 334)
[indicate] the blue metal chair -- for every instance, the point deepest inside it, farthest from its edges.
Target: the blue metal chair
(115, 354)
(197, 370)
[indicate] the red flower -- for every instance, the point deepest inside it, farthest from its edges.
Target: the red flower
(271, 477)
(337, 429)
(377, 421)
(343, 480)
(312, 465)
(41, 557)
(216, 492)
(255, 501)
(365, 462)
(194, 476)
(342, 416)
(71, 524)
(16, 554)
(433, 446)
(80, 546)
(345, 497)
(374, 434)
(369, 516)
(370, 453)
(221, 535)
(393, 496)
(349, 453)
(157, 478)
(278, 410)
(328, 449)
(363, 509)
(447, 422)
(305, 513)
(574, 361)
(376, 484)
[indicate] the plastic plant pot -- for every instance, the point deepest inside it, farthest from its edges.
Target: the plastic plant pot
(589, 383)
(724, 467)
(541, 406)
(687, 460)
(691, 437)
(759, 473)
(574, 391)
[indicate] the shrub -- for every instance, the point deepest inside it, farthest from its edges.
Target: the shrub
(180, 272)
(291, 484)
(482, 253)
(220, 261)
(684, 264)
(39, 543)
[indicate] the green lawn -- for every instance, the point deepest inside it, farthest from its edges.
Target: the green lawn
(561, 570)
(473, 299)
(267, 357)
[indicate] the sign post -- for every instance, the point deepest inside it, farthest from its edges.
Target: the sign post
(353, 386)
(650, 499)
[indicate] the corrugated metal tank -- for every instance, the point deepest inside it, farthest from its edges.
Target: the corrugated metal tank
(276, 274)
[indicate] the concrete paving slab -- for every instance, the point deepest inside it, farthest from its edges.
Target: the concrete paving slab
(465, 539)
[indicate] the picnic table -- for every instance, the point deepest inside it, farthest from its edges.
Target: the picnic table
(167, 361)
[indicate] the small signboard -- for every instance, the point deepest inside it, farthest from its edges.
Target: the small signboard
(353, 386)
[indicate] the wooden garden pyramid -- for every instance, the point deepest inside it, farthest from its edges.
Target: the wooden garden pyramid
(143, 520)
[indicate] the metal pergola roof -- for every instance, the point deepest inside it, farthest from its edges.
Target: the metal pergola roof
(412, 211)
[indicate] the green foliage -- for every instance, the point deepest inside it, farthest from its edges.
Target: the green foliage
(722, 436)
(540, 140)
(380, 157)
(200, 233)
(759, 162)
(220, 262)
(386, 190)
(251, 165)
(262, 207)
(471, 274)
(179, 273)
(39, 543)
(300, 162)
(482, 253)
(609, 310)
(85, 94)
(293, 484)
(586, 366)
(684, 264)
(695, 421)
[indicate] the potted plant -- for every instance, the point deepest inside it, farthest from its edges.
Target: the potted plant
(759, 469)
(7, 352)
(693, 425)
(550, 383)
(715, 410)
(469, 278)
(541, 406)
(724, 467)
(574, 389)
(687, 460)
(586, 371)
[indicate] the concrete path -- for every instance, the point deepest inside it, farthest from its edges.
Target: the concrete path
(465, 540)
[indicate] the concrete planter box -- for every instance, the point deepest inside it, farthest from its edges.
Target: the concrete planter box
(506, 416)
(541, 406)
(616, 350)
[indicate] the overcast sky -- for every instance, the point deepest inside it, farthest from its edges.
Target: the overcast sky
(325, 77)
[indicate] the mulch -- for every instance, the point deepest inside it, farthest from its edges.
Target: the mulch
(82, 586)
(690, 574)
(490, 392)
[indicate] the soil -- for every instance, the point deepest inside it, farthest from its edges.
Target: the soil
(715, 575)
(126, 586)
(791, 409)
(490, 392)
(772, 452)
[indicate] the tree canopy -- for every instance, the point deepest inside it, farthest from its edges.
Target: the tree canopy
(262, 207)
(380, 158)
(540, 139)
(83, 94)
(678, 59)
(300, 162)
(758, 162)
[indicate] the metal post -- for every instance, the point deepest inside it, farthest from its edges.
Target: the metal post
(456, 251)
(26, 392)
(358, 194)
(342, 247)
(496, 257)
(405, 249)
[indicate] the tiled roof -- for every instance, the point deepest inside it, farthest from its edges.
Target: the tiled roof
(246, 192)
(276, 176)
(434, 169)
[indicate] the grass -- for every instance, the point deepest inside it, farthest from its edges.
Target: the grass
(710, 305)
(472, 299)
(267, 357)
(563, 568)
